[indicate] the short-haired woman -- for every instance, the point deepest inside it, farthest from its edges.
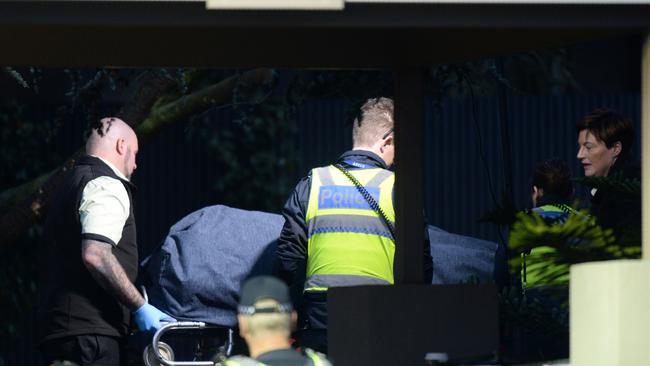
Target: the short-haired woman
(605, 139)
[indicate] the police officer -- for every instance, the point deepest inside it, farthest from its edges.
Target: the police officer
(552, 192)
(266, 318)
(340, 232)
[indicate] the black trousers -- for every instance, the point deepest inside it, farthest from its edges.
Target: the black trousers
(314, 332)
(83, 350)
(316, 339)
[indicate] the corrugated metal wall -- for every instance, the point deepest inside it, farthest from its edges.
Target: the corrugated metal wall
(540, 127)
(458, 191)
(176, 174)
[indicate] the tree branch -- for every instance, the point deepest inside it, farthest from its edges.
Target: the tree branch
(26, 204)
(199, 101)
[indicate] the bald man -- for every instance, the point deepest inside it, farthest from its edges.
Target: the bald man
(89, 256)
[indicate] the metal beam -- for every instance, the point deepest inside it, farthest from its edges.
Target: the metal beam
(183, 33)
(275, 4)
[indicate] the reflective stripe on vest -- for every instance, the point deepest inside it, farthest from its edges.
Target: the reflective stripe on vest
(557, 213)
(556, 208)
(348, 243)
(316, 358)
(242, 361)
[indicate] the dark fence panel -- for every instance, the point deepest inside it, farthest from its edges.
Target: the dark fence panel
(464, 148)
(458, 189)
(324, 133)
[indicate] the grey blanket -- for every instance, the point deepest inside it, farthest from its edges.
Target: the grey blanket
(461, 259)
(197, 271)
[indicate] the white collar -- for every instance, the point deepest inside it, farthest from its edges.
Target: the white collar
(113, 168)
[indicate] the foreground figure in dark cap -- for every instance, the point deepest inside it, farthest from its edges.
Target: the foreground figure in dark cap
(266, 319)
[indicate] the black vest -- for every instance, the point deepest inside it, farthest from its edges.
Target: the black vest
(71, 301)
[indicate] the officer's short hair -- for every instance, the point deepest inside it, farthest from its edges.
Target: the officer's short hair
(375, 119)
(609, 127)
(267, 323)
(554, 177)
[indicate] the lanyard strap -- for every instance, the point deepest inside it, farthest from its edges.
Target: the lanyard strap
(371, 201)
(564, 208)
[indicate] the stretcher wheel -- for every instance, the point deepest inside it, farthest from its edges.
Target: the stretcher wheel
(164, 350)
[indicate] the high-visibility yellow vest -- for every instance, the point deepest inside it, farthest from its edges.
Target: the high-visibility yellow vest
(348, 242)
(317, 359)
(554, 212)
(557, 212)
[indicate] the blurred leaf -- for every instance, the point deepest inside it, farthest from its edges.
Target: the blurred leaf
(624, 188)
(554, 247)
(17, 76)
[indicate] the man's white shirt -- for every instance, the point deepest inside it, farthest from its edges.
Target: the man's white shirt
(105, 206)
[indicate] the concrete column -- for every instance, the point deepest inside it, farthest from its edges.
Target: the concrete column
(645, 147)
(610, 301)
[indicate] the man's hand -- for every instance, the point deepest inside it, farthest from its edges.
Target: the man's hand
(148, 318)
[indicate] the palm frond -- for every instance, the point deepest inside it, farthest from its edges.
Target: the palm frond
(551, 248)
(624, 188)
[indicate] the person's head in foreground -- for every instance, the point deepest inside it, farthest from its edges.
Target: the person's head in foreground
(266, 316)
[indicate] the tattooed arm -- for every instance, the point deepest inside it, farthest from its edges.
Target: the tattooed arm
(108, 272)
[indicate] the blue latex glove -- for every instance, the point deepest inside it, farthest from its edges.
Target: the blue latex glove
(148, 318)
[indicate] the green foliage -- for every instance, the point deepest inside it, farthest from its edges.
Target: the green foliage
(459, 80)
(255, 151)
(554, 247)
(534, 327)
(578, 232)
(353, 86)
(258, 157)
(527, 73)
(625, 189)
(17, 76)
(532, 315)
(18, 272)
(25, 152)
(25, 145)
(547, 70)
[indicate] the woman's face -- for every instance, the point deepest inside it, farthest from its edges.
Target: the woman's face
(594, 155)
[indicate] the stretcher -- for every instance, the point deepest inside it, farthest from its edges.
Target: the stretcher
(195, 276)
(196, 273)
